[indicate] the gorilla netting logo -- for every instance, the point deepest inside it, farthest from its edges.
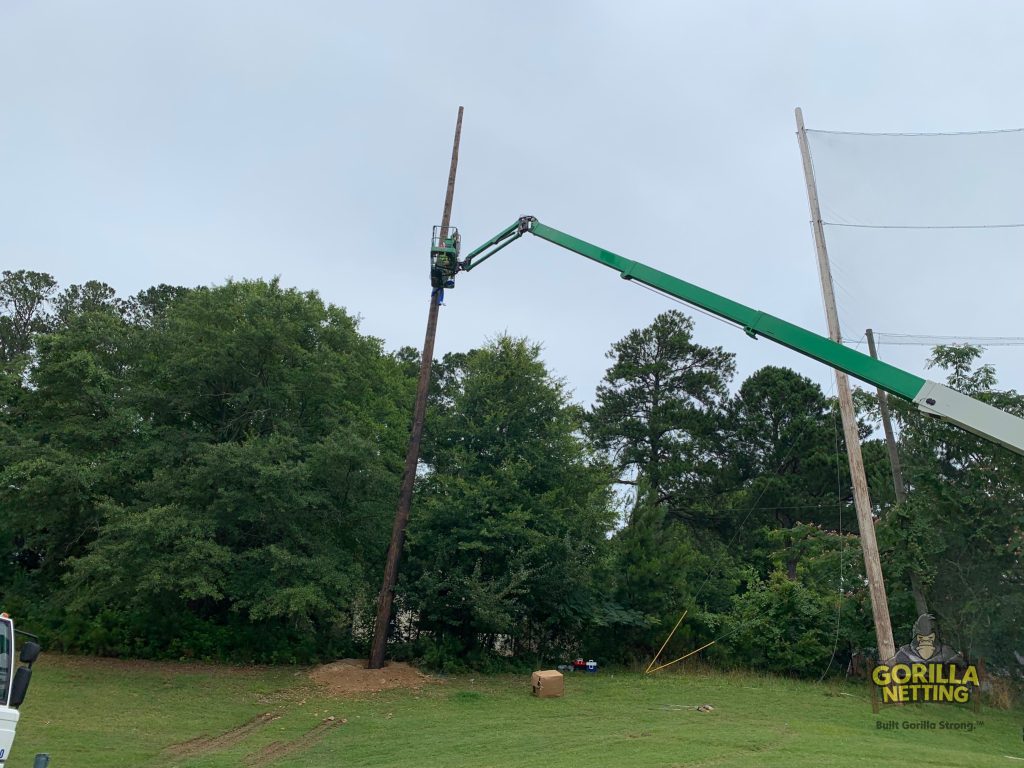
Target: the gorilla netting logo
(926, 670)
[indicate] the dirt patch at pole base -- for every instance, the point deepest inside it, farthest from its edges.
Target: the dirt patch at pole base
(350, 676)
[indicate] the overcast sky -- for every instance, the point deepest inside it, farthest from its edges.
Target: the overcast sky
(187, 142)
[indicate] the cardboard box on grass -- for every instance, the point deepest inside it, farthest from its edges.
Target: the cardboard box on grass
(547, 683)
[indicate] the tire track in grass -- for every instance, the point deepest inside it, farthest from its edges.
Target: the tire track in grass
(278, 749)
(206, 744)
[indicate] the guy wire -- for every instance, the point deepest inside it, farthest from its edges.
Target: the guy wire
(842, 543)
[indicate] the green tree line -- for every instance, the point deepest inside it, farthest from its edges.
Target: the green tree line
(212, 472)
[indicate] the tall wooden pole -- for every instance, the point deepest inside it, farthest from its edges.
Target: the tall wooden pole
(897, 473)
(412, 456)
(861, 499)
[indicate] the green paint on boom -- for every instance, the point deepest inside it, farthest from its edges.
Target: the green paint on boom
(754, 322)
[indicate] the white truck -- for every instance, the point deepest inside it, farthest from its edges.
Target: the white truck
(13, 683)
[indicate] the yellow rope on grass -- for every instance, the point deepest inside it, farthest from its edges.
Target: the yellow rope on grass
(675, 661)
(655, 659)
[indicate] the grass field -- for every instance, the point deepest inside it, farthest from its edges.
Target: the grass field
(90, 713)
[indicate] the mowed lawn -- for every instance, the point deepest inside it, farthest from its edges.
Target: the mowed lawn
(93, 713)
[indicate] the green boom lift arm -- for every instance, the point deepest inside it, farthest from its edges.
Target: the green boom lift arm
(930, 397)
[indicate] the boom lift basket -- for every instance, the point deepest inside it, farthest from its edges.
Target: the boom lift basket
(444, 258)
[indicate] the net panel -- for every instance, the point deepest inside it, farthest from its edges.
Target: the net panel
(925, 235)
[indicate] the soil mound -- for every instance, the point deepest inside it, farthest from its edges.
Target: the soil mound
(350, 676)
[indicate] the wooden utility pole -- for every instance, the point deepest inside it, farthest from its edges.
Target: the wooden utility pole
(897, 472)
(412, 456)
(861, 499)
